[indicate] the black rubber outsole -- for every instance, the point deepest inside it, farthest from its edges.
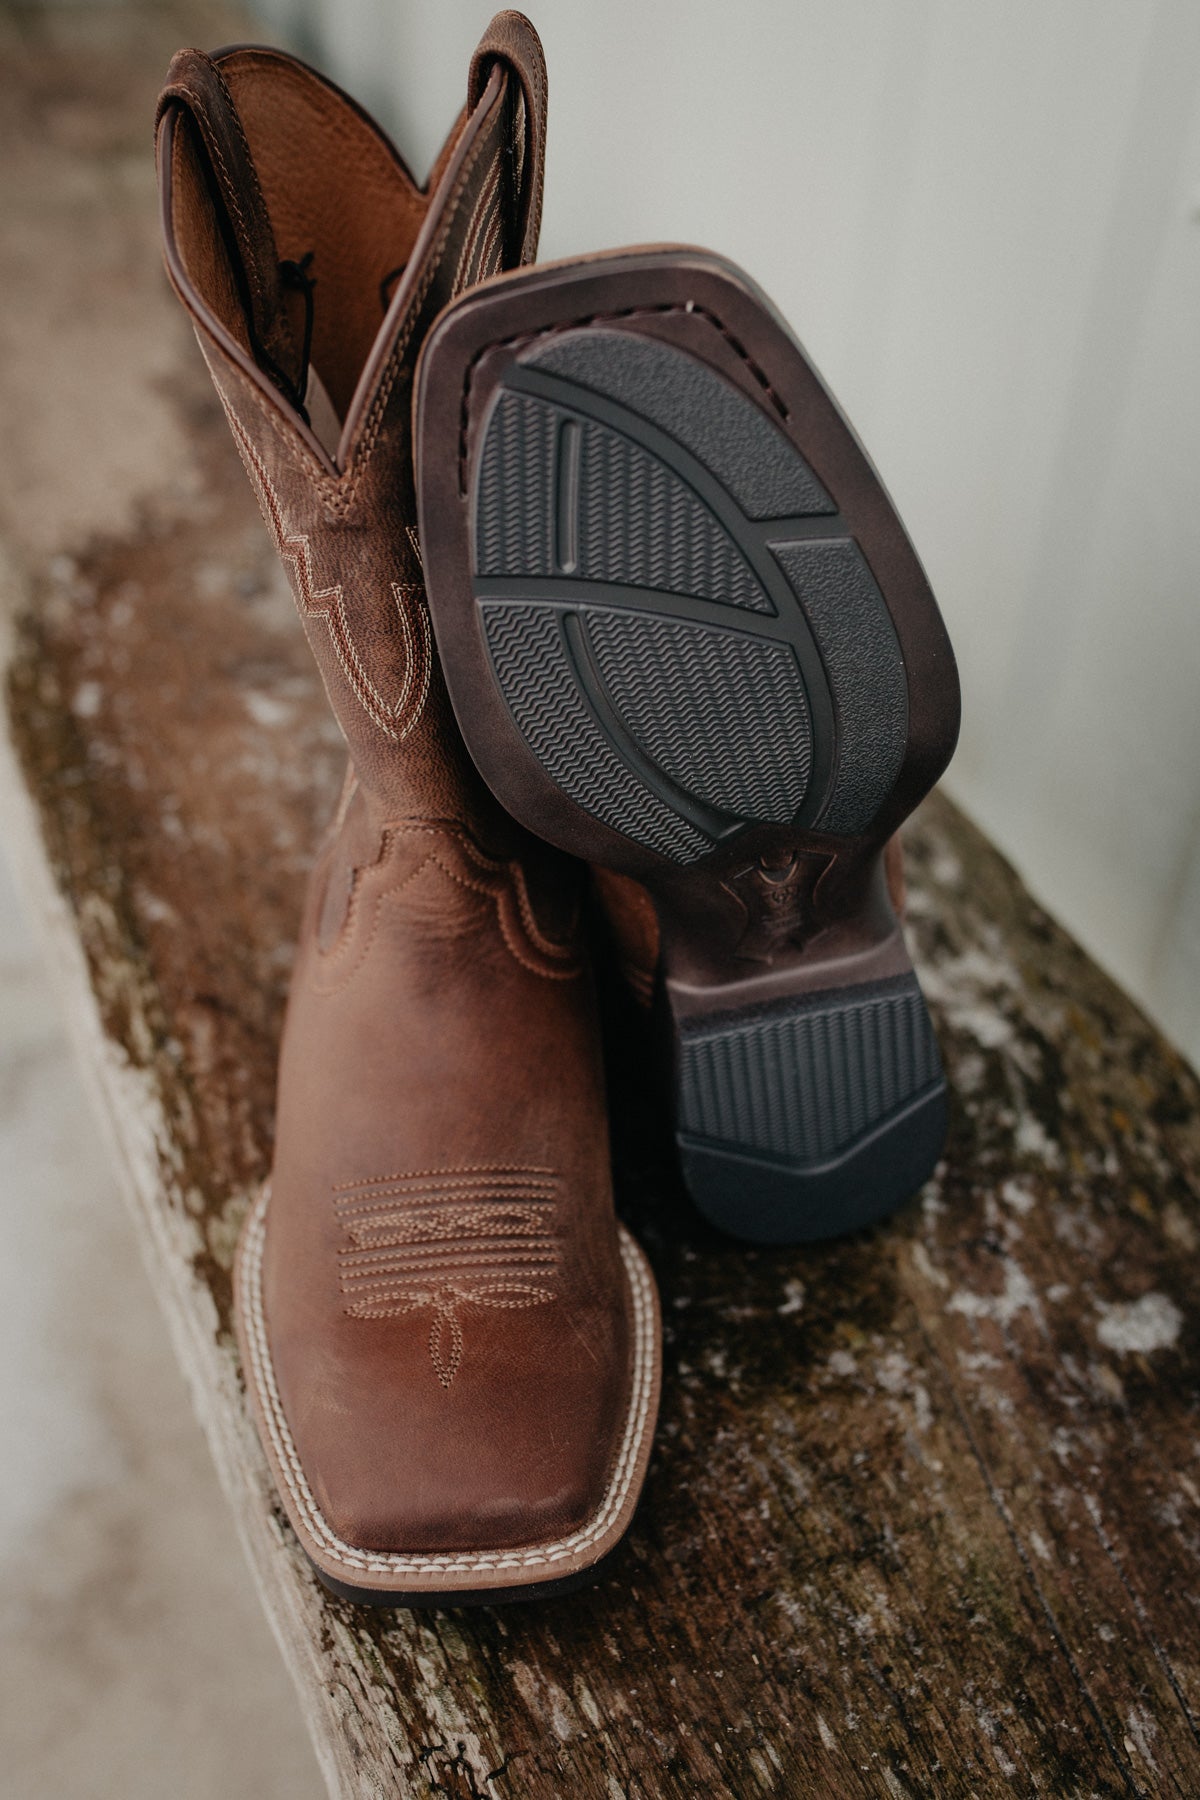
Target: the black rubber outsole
(805, 1118)
(675, 665)
(685, 636)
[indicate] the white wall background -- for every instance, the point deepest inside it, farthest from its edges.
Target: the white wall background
(983, 219)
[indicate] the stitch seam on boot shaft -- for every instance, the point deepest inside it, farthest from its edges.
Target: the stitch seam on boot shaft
(340, 491)
(328, 604)
(562, 961)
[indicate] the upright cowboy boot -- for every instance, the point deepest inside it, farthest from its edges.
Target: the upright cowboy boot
(688, 640)
(451, 1347)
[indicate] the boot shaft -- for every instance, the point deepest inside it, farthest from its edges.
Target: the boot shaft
(312, 264)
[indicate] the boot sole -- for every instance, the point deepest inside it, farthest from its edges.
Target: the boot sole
(686, 637)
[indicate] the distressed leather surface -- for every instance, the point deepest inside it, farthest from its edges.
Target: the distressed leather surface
(445, 1303)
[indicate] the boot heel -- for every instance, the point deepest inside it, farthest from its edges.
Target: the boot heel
(811, 1115)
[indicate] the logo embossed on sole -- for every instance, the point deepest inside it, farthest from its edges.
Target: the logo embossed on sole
(778, 898)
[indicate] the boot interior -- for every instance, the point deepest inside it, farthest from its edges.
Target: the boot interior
(341, 202)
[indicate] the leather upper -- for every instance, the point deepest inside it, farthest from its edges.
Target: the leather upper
(446, 1310)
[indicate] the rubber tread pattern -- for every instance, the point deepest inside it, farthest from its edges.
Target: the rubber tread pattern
(724, 715)
(537, 677)
(637, 524)
(514, 498)
(723, 429)
(805, 1081)
(861, 653)
(641, 526)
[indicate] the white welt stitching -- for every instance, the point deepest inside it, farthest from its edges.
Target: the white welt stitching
(396, 1563)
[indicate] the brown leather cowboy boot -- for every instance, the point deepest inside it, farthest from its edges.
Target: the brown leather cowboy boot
(688, 640)
(451, 1347)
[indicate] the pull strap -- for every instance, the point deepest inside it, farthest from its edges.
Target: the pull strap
(511, 41)
(195, 83)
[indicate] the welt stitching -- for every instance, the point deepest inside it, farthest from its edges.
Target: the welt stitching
(626, 312)
(389, 1563)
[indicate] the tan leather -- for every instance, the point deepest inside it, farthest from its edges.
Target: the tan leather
(452, 1351)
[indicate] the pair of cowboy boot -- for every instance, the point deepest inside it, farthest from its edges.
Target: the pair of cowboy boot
(594, 572)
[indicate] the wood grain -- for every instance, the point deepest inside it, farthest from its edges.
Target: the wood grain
(924, 1512)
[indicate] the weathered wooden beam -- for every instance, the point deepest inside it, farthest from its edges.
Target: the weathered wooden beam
(924, 1514)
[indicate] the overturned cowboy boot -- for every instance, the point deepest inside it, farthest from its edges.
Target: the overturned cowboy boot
(451, 1347)
(688, 640)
